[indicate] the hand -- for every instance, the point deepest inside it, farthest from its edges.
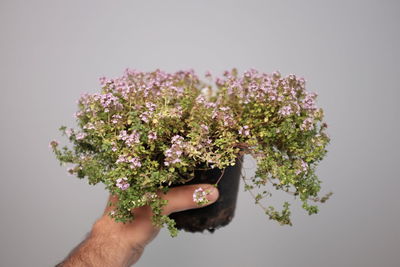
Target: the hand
(113, 243)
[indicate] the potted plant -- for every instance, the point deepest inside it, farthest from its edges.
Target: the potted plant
(146, 132)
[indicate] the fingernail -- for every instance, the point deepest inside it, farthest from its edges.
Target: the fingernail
(212, 193)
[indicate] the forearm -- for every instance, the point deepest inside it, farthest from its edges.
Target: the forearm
(117, 244)
(102, 249)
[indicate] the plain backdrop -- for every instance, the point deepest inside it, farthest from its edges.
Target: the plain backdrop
(348, 51)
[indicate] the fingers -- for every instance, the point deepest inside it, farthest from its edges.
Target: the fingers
(181, 198)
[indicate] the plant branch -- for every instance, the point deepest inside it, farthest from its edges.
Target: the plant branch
(222, 174)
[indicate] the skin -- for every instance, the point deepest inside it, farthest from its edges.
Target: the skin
(115, 244)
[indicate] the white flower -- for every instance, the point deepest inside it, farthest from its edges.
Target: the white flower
(199, 196)
(80, 136)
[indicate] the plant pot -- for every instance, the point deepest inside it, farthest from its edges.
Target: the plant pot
(221, 212)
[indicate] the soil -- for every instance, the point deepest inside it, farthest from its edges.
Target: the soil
(219, 213)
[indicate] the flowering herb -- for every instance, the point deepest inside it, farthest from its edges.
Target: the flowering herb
(146, 131)
(200, 196)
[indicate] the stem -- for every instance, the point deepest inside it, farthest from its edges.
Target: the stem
(315, 199)
(223, 171)
(251, 193)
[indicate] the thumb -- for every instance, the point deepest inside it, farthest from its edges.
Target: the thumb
(182, 197)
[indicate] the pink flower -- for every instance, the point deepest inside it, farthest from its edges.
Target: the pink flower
(303, 166)
(89, 126)
(69, 132)
(135, 163)
(204, 127)
(152, 135)
(121, 158)
(307, 124)
(116, 118)
(144, 116)
(109, 100)
(286, 110)
(123, 135)
(102, 80)
(200, 99)
(177, 139)
(309, 101)
(122, 183)
(210, 104)
(175, 151)
(80, 136)
(131, 139)
(78, 114)
(244, 130)
(151, 106)
(53, 144)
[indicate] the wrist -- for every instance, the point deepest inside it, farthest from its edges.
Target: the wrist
(102, 247)
(106, 228)
(114, 238)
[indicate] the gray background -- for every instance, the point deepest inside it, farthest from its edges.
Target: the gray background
(52, 51)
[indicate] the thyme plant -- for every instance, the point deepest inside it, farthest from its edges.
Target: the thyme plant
(146, 131)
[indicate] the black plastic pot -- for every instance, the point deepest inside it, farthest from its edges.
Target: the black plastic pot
(219, 213)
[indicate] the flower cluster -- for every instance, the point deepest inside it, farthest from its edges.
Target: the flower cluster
(147, 114)
(152, 135)
(109, 100)
(173, 154)
(147, 131)
(122, 183)
(244, 130)
(133, 162)
(200, 196)
(130, 139)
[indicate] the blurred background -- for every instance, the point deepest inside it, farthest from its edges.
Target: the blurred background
(348, 51)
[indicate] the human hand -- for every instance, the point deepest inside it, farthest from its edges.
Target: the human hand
(113, 243)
